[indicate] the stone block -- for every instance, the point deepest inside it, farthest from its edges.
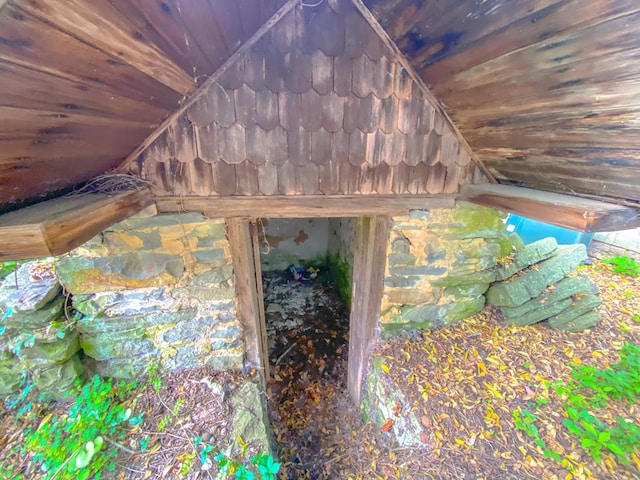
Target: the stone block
(533, 282)
(420, 214)
(127, 367)
(482, 277)
(24, 292)
(433, 316)
(125, 302)
(531, 254)
(581, 323)
(215, 257)
(133, 270)
(401, 259)
(471, 222)
(414, 270)
(579, 307)
(10, 382)
(541, 313)
(215, 276)
(401, 281)
(59, 379)
(108, 345)
(579, 284)
(42, 355)
(185, 357)
(103, 324)
(250, 421)
(163, 220)
(470, 290)
(509, 244)
(204, 294)
(36, 318)
(410, 296)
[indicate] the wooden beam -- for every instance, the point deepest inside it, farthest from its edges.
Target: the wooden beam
(58, 226)
(576, 213)
(372, 236)
(384, 36)
(303, 206)
(246, 292)
(237, 55)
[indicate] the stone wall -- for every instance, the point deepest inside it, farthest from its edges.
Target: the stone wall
(342, 233)
(156, 291)
(439, 265)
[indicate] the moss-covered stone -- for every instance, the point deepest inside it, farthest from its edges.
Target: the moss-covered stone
(25, 293)
(529, 255)
(533, 282)
(581, 323)
(510, 244)
(579, 307)
(340, 272)
(36, 319)
(42, 355)
(472, 222)
(127, 367)
(433, 316)
(541, 313)
(117, 344)
(59, 379)
(103, 324)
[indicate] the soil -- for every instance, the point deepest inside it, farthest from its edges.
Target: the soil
(463, 382)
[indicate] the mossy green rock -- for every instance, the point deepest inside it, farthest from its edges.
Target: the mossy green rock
(10, 383)
(473, 222)
(482, 277)
(38, 318)
(533, 282)
(42, 355)
(249, 419)
(99, 325)
(122, 344)
(541, 313)
(23, 294)
(510, 244)
(581, 306)
(531, 254)
(581, 323)
(129, 367)
(434, 316)
(568, 286)
(59, 379)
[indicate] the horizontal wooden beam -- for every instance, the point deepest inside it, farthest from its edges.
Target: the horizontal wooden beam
(569, 211)
(57, 226)
(303, 206)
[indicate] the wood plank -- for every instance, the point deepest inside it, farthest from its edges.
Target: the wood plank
(371, 238)
(31, 89)
(278, 206)
(57, 226)
(33, 44)
(262, 323)
(569, 211)
(100, 24)
(244, 270)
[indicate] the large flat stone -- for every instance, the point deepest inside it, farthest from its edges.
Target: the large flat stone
(24, 292)
(582, 305)
(531, 254)
(42, 355)
(129, 367)
(104, 324)
(541, 313)
(578, 284)
(36, 318)
(581, 323)
(533, 282)
(117, 345)
(433, 316)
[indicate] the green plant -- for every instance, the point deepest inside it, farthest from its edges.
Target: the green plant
(83, 442)
(525, 420)
(592, 390)
(7, 267)
(624, 265)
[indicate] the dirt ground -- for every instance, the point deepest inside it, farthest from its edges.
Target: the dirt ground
(463, 382)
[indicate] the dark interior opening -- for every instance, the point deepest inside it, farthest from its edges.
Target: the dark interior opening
(306, 268)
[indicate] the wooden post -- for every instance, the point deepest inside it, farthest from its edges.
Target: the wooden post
(262, 323)
(246, 292)
(372, 235)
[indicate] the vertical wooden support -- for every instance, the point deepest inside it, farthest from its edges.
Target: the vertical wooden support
(262, 330)
(372, 235)
(246, 292)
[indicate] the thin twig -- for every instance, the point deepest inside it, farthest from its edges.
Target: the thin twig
(285, 353)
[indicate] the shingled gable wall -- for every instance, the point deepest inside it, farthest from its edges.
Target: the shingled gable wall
(319, 105)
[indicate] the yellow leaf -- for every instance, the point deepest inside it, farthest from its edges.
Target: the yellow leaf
(576, 360)
(384, 368)
(459, 441)
(597, 354)
(482, 369)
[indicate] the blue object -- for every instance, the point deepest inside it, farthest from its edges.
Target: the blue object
(531, 230)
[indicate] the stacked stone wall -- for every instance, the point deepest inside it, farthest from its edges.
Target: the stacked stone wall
(439, 265)
(155, 291)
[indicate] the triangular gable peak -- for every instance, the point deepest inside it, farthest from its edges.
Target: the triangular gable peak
(319, 105)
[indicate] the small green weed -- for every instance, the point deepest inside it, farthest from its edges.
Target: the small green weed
(83, 442)
(624, 265)
(525, 420)
(591, 390)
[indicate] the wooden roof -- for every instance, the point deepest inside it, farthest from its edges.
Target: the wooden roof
(545, 93)
(300, 113)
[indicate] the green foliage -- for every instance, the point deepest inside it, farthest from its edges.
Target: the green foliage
(624, 265)
(7, 267)
(592, 390)
(525, 420)
(83, 442)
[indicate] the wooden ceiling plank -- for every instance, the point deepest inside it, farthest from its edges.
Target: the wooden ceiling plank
(57, 226)
(29, 42)
(304, 206)
(100, 24)
(30, 89)
(568, 211)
